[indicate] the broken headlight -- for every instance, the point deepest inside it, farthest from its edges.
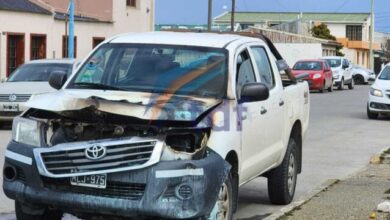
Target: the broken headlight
(26, 131)
(184, 145)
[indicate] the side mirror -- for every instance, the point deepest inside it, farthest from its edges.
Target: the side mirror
(57, 79)
(345, 66)
(254, 92)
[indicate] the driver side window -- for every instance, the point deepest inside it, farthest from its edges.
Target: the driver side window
(245, 72)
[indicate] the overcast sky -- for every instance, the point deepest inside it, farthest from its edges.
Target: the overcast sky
(195, 11)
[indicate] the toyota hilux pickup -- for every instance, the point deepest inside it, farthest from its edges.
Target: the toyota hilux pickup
(164, 125)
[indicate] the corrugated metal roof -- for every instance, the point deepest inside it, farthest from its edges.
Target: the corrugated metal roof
(259, 17)
(22, 6)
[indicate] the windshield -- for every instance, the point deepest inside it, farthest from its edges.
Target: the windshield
(334, 62)
(38, 72)
(385, 75)
(180, 70)
(308, 66)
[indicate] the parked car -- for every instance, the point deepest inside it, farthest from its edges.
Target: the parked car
(379, 97)
(320, 75)
(362, 75)
(342, 72)
(27, 80)
(170, 126)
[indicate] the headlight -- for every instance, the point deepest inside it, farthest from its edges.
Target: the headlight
(185, 146)
(26, 131)
(317, 76)
(376, 92)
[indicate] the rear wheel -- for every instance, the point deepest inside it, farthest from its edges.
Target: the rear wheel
(352, 84)
(282, 180)
(372, 115)
(359, 80)
(25, 212)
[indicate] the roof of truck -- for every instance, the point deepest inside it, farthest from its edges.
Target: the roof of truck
(179, 38)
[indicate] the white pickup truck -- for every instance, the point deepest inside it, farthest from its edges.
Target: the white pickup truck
(164, 124)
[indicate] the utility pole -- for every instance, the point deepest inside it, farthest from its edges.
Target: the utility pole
(371, 66)
(210, 15)
(233, 14)
(71, 30)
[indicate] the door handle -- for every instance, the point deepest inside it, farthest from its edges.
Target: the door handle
(263, 111)
(281, 103)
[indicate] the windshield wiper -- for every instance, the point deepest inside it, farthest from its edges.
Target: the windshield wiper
(97, 86)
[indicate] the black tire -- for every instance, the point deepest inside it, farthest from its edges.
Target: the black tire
(341, 85)
(352, 84)
(46, 214)
(330, 89)
(228, 215)
(279, 191)
(372, 115)
(359, 79)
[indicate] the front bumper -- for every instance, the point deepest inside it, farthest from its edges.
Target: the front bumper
(379, 104)
(152, 191)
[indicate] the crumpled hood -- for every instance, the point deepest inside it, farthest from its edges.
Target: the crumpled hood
(25, 87)
(145, 106)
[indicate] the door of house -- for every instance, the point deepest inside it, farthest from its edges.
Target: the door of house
(15, 52)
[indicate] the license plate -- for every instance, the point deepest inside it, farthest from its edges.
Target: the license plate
(93, 181)
(11, 108)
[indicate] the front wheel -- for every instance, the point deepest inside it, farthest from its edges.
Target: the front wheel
(35, 214)
(283, 179)
(223, 208)
(352, 84)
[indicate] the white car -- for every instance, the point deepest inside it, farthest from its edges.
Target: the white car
(166, 125)
(379, 97)
(342, 72)
(362, 75)
(27, 80)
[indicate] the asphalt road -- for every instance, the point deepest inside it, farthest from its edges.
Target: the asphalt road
(340, 142)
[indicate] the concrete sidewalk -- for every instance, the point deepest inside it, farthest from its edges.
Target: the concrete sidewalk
(354, 198)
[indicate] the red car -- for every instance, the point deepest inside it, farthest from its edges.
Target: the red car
(320, 74)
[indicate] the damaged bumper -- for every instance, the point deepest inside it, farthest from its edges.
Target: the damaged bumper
(168, 189)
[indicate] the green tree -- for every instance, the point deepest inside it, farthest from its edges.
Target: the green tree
(322, 31)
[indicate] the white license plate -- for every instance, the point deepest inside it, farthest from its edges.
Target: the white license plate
(11, 108)
(93, 181)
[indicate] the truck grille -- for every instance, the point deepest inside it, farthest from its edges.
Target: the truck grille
(19, 97)
(117, 156)
(130, 191)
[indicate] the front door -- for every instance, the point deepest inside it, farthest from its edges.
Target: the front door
(15, 52)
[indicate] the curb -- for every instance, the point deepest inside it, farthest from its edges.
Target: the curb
(302, 200)
(381, 157)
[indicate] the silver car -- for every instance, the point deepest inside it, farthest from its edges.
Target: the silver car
(29, 79)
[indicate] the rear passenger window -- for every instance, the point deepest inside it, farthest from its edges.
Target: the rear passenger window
(245, 72)
(263, 65)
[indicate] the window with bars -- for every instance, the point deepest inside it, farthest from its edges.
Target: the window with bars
(354, 32)
(38, 47)
(131, 3)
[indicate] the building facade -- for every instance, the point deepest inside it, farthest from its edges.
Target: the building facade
(351, 29)
(35, 29)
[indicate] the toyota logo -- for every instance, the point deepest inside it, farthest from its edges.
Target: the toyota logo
(95, 152)
(12, 97)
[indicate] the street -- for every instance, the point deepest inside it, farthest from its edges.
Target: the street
(339, 142)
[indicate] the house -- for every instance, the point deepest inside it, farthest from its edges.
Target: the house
(350, 29)
(36, 29)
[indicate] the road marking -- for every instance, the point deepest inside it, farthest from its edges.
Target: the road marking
(18, 157)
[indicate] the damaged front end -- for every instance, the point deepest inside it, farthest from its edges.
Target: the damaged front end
(93, 162)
